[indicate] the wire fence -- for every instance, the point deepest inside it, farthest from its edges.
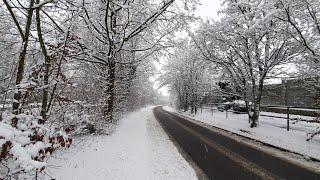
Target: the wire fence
(288, 111)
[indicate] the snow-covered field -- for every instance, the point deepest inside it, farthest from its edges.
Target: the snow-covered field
(139, 149)
(270, 130)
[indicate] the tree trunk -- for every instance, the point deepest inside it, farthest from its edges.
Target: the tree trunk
(21, 62)
(47, 64)
(110, 92)
(254, 117)
(112, 56)
(256, 91)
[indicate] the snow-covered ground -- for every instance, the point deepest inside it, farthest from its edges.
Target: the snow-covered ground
(270, 130)
(139, 149)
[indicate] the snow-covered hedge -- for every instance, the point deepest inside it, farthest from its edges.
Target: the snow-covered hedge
(26, 147)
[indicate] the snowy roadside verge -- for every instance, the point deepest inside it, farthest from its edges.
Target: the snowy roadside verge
(138, 149)
(270, 131)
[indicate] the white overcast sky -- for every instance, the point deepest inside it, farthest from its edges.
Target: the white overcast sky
(209, 9)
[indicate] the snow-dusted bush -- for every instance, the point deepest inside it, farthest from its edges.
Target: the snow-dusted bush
(83, 118)
(26, 147)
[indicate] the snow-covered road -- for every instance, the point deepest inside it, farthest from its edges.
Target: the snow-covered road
(139, 149)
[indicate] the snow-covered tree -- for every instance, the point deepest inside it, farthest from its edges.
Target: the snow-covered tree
(123, 33)
(187, 76)
(247, 43)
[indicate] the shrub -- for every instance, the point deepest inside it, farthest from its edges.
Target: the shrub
(26, 147)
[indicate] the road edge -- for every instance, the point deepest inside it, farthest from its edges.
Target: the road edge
(310, 163)
(199, 172)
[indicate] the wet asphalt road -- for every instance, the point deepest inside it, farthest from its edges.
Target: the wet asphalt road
(223, 157)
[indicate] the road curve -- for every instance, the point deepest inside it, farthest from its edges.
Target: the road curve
(223, 157)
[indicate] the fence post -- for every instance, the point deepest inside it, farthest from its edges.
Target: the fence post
(227, 113)
(288, 117)
(211, 110)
